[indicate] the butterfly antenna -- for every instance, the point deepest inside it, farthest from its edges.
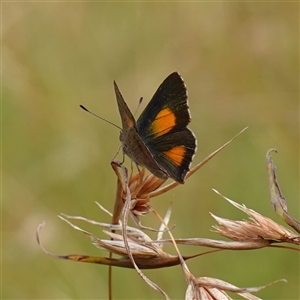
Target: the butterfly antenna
(140, 102)
(84, 108)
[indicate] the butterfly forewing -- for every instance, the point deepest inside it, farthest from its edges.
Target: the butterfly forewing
(167, 110)
(125, 113)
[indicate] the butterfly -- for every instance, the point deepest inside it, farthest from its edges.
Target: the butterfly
(160, 140)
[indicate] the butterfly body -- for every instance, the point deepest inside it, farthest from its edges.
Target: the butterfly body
(135, 148)
(160, 139)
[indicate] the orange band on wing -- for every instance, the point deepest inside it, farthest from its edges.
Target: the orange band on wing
(163, 123)
(176, 154)
(129, 121)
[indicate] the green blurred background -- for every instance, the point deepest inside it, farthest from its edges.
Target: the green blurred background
(240, 64)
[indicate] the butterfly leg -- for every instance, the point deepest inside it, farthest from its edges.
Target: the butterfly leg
(140, 173)
(117, 154)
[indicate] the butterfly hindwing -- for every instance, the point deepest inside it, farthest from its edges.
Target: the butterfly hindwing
(175, 152)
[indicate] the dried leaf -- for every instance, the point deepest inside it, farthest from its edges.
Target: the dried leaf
(145, 256)
(258, 228)
(212, 288)
(222, 245)
(277, 199)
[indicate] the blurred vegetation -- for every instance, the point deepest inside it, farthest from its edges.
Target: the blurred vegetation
(240, 62)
